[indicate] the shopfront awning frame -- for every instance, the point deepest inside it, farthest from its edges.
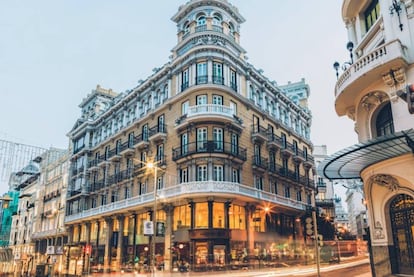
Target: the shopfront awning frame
(349, 162)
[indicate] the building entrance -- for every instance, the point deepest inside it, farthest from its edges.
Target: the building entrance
(402, 222)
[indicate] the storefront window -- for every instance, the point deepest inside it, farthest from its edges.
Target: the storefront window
(93, 232)
(259, 220)
(140, 222)
(237, 217)
(75, 233)
(102, 231)
(182, 217)
(238, 252)
(201, 253)
(201, 215)
(219, 254)
(218, 215)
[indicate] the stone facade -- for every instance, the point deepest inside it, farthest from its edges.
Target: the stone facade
(220, 152)
(372, 91)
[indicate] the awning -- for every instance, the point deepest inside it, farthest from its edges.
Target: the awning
(349, 162)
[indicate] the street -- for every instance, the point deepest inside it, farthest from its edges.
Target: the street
(358, 267)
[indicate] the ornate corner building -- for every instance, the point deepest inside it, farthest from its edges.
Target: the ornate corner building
(233, 167)
(375, 91)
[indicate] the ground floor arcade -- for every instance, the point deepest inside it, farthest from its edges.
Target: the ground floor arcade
(207, 234)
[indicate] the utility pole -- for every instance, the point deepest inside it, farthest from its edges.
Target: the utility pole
(316, 242)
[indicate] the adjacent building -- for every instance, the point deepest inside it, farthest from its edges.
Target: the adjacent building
(355, 201)
(49, 234)
(375, 91)
(325, 197)
(37, 225)
(206, 161)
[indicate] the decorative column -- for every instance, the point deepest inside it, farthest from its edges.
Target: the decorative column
(107, 258)
(169, 209)
(120, 246)
(86, 261)
(250, 208)
(209, 70)
(191, 204)
(210, 245)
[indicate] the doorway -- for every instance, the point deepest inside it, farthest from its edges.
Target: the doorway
(402, 222)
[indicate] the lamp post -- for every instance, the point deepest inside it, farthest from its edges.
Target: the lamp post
(151, 165)
(336, 65)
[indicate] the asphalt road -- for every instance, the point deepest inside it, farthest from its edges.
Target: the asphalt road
(354, 271)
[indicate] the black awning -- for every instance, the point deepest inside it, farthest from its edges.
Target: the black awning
(349, 162)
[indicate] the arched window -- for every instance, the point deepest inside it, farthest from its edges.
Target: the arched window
(251, 92)
(231, 29)
(164, 94)
(217, 19)
(217, 23)
(201, 20)
(186, 27)
(384, 123)
(201, 23)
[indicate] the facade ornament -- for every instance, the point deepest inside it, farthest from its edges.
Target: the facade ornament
(378, 233)
(372, 100)
(351, 113)
(394, 77)
(386, 181)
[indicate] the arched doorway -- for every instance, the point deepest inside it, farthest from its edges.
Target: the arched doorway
(402, 222)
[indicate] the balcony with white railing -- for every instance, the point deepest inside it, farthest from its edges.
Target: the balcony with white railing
(208, 111)
(366, 70)
(188, 190)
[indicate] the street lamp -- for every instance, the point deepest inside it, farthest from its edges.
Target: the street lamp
(151, 165)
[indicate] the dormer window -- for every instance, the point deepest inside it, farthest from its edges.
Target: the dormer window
(372, 13)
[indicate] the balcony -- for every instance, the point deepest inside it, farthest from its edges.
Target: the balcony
(259, 134)
(158, 133)
(324, 202)
(207, 112)
(321, 186)
(93, 164)
(185, 191)
(259, 163)
(209, 147)
(367, 70)
(114, 154)
(287, 149)
(274, 142)
(141, 141)
(127, 148)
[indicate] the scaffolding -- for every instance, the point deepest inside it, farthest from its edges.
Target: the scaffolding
(13, 157)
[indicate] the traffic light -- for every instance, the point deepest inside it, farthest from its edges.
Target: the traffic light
(309, 226)
(410, 98)
(320, 240)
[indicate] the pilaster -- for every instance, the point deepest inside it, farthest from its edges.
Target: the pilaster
(107, 258)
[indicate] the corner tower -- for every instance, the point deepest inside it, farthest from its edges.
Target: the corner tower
(201, 23)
